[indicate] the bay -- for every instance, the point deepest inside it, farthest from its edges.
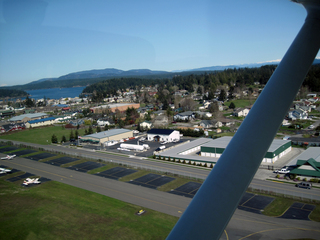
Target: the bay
(55, 93)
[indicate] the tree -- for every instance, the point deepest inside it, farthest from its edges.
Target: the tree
(90, 130)
(71, 137)
(29, 102)
(232, 105)
(63, 139)
(76, 134)
(223, 95)
(106, 127)
(54, 139)
(98, 128)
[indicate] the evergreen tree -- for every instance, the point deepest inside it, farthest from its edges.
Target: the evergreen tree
(232, 105)
(54, 139)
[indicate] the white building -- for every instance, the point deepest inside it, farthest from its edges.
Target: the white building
(167, 135)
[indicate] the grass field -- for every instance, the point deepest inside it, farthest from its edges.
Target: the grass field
(242, 103)
(57, 211)
(40, 135)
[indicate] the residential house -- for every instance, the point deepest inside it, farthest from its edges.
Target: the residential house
(105, 121)
(161, 121)
(240, 112)
(12, 127)
(210, 124)
(146, 125)
(297, 114)
(204, 114)
(184, 116)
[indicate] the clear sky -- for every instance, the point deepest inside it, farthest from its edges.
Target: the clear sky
(50, 38)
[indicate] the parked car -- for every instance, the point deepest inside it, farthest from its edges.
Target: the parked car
(306, 185)
(311, 127)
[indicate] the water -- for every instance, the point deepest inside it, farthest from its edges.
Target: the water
(55, 93)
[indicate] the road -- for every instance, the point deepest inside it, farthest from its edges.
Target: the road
(243, 225)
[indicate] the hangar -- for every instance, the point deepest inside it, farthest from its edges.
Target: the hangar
(277, 149)
(207, 151)
(105, 136)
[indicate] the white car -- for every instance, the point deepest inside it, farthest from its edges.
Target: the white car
(311, 127)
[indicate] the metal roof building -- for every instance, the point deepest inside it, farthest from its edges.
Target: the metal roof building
(105, 136)
(277, 149)
(207, 150)
(27, 117)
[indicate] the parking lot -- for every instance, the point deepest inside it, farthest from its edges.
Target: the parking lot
(149, 152)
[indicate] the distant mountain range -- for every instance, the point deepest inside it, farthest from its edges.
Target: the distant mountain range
(84, 78)
(100, 73)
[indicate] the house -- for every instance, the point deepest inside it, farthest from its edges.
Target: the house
(240, 112)
(167, 135)
(227, 122)
(188, 115)
(105, 121)
(77, 122)
(210, 124)
(12, 127)
(160, 121)
(297, 114)
(146, 125)
(203, 114)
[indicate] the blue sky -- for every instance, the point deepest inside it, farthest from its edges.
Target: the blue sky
(63, 36)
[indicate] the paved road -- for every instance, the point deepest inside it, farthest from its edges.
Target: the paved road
(243, 225)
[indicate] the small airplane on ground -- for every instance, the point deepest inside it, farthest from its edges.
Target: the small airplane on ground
(4, 170)
(29, 181)
(8, 157)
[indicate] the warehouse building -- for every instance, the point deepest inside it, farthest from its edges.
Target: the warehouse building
(40, 122)
(160, 135)
(277, 149)
(110, 135)
(207, 151)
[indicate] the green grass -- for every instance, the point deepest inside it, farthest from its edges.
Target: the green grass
(242, 103)
(40, 135)
(57, 211)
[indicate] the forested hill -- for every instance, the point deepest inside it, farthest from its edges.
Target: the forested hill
(240, 77)
(12, 93)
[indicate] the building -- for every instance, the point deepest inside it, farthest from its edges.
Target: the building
(12, 127)
(240, 112)
(106, 136)
(167, 135)
(28, 117)
(277, 149)
(184, 116)
(40, 122)
(115, 106)
(307, 163)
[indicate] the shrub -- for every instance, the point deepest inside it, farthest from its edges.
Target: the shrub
(278, 176)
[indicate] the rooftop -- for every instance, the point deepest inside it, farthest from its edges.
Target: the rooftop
(108, 133)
